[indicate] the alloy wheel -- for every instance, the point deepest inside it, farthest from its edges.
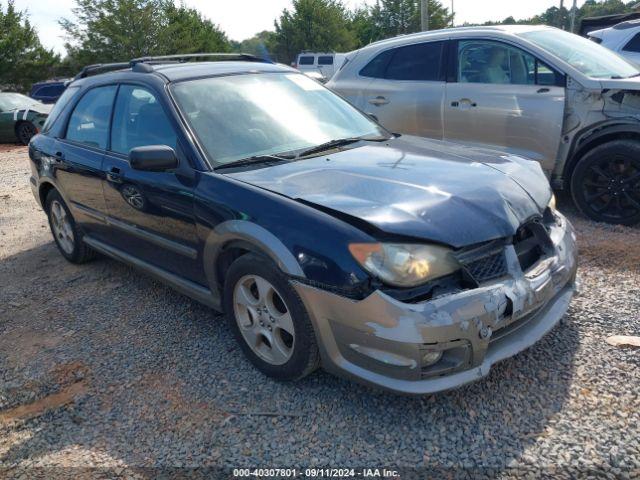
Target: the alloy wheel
(62, 228)
(611, 187)
(264, 319)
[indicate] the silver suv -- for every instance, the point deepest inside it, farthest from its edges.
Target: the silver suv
(533, 91)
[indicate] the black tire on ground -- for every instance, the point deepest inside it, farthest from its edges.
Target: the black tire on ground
(25, 131)
(305, 357)
(81, 252)
(605, 184)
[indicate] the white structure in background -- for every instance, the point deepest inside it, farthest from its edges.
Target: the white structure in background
(327, 63)
(623, 38)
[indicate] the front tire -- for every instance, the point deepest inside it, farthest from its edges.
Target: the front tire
(65, 231)
(269, 319)
(605, 183)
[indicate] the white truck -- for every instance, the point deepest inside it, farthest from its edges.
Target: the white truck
(327, 63)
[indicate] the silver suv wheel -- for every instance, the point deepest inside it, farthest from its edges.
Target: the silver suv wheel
(264, 319)
(62, 228)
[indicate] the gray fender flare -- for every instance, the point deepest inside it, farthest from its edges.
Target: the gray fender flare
(251, 234)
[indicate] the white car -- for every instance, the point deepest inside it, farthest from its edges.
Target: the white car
(623, 38)
(325, 63)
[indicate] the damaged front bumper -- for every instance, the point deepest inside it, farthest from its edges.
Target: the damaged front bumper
(427, 347)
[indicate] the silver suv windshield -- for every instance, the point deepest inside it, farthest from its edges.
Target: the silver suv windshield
(242, 116)
(588, 57)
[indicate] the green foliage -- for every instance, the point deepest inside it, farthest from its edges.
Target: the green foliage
(261, 44)
(388, 18)
(23, 59)
(118, 30)
(561, 18)
(319, 25)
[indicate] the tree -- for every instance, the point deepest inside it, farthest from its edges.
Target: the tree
(388, 18)
(118, 30)
(186, 31)
(261, 44)
(23, 59)
(319, 25)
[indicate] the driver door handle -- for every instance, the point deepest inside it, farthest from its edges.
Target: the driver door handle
(379, 100)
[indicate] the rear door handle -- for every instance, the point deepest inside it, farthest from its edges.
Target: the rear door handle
(379, 100)
(542, 90)
(463, 103)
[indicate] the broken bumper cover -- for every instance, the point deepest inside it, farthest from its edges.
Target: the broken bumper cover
(390, 344)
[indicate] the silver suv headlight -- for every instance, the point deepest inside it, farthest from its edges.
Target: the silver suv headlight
(404, 265)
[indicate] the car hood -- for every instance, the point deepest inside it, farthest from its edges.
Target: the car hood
(410, 186)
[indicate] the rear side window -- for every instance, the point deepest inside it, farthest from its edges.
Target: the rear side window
(139, 120)
(62, 102)
(325, 60)
(307, 60)
(633, 45)
(89, 122)
(419, 62)
(50, 90)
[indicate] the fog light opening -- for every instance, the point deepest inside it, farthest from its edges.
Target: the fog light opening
(431, 357)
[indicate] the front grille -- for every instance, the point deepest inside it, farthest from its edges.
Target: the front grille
(531, 243)
(487, 268)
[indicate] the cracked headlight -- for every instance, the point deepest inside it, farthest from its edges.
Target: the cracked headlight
(404, 265)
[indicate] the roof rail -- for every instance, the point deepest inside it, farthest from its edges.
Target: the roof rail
(99, 68)
(181, 58)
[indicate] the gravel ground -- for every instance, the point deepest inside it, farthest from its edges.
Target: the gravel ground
(101, 366)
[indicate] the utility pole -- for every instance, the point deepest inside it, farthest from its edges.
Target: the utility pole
(560, 22)
(452, 14)
(573, 16)
(424, 15)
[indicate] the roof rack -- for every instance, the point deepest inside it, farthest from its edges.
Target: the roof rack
(181, 58)
(100, 68)
(97, 68)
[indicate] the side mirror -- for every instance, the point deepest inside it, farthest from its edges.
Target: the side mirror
(154, 158)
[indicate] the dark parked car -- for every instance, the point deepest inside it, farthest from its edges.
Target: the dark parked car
(21, 117)
(405, 263)
(48, 91)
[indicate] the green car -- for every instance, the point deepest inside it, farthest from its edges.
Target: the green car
(21, 117)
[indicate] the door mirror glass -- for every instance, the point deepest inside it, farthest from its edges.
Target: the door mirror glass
(154, 158)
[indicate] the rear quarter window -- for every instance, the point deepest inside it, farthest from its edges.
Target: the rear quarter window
(306, 60)
(325, 60)
(66, 97)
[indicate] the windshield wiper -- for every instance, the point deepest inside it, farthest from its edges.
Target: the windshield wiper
(338, 142)
(255, 160)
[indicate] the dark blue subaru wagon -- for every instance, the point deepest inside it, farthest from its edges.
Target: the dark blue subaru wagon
(404, 263)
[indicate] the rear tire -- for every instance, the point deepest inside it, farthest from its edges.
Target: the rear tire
(66, 233)
(269, 319)
(25, 131)
(605, 183)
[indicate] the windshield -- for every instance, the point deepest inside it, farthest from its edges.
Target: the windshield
(241, 116)
(588, 57)
(11, 101)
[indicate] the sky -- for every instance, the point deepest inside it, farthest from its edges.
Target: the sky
(241, 19)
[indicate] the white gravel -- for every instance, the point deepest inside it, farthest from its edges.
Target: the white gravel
(102, 367)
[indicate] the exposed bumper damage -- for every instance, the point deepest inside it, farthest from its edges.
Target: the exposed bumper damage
(387, 343)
